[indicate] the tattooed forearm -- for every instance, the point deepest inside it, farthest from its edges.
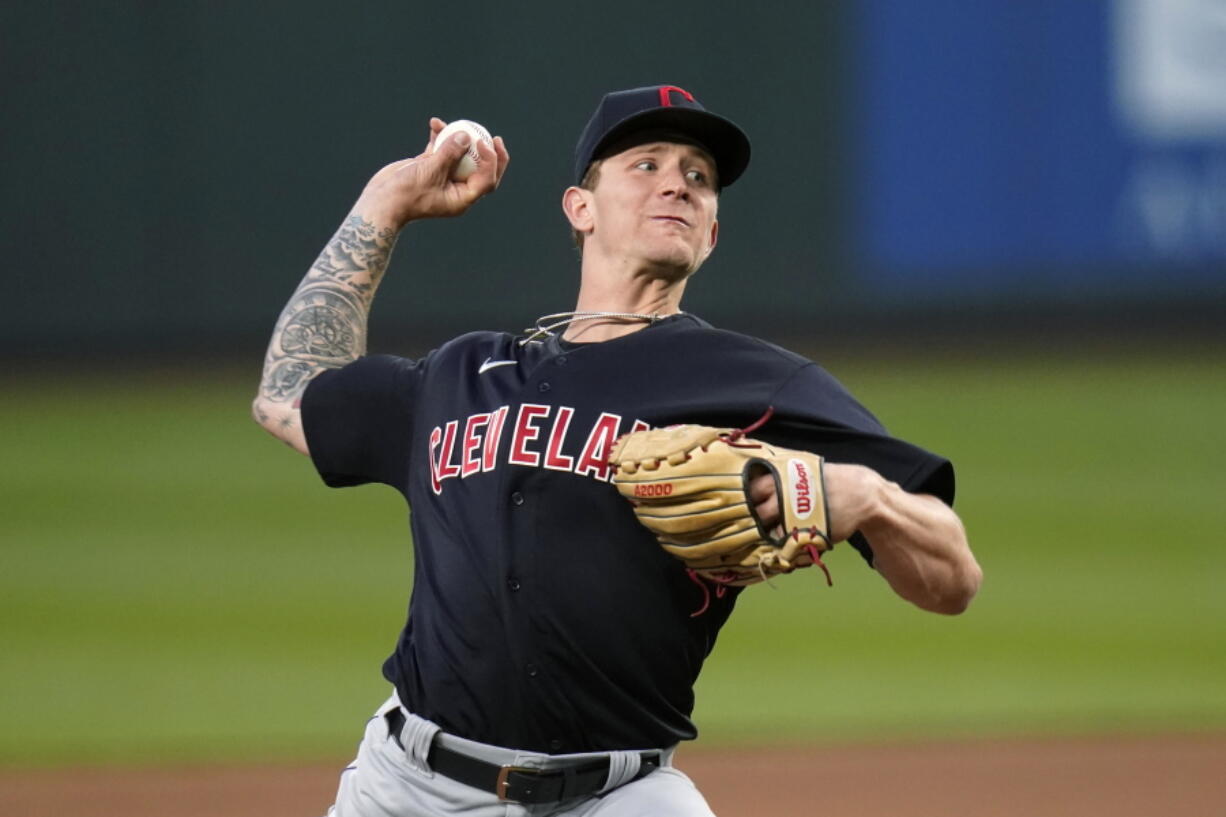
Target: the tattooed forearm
(324, 324)
(358, 251)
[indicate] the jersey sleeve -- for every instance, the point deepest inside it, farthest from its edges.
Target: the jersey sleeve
(358, 421)
(814, 412)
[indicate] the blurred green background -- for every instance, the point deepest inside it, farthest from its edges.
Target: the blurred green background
(178, 586)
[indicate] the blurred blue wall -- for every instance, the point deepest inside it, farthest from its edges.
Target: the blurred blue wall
(1046, 148)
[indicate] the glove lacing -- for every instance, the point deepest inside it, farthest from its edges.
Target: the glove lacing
(721, 582)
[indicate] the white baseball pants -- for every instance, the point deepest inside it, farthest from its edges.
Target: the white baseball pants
(387, 781)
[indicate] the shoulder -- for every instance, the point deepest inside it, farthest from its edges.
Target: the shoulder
(694, 332)
(475, 343)
(470, 348)
(481, 338)
(803, 388)
(385, 370)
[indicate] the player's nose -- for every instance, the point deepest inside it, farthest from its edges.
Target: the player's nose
(673, 184)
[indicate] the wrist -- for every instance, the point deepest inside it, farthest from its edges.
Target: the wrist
(382, 215)
(856, 498)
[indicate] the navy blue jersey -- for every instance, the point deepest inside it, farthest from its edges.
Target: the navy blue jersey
(543, 616)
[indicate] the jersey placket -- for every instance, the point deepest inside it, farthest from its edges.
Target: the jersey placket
(531, 425)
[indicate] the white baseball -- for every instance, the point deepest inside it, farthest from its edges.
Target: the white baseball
(469, 161)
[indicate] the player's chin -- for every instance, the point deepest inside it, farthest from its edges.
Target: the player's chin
(678, 256)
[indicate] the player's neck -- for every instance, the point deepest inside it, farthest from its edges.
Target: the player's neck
(622, 294)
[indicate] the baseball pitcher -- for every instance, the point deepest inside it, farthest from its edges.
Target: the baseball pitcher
(589, 497)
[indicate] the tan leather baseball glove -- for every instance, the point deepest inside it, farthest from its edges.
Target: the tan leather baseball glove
(689, 485)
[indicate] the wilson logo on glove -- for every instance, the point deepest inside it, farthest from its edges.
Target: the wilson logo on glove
(802, 488)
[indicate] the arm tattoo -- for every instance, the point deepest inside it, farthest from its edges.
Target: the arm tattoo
(355, 252)
(324, 324)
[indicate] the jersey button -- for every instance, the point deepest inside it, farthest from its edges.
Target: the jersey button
(555, 745)
(561, 361)
(513, 583)
(532, 670)
(517, 498)
(543, 387)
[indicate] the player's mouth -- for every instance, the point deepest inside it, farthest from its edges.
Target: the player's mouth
(672, 219)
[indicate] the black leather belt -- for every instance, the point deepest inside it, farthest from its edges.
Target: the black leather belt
(519, 784)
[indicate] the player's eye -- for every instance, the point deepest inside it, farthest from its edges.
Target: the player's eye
(646, 164)
(696, 176)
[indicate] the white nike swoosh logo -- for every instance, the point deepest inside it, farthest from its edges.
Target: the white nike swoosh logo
(490, 363)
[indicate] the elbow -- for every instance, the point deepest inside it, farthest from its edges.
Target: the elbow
(964, 578)
(961, 589)
(257, 410)
(281, 421)
(264, 412)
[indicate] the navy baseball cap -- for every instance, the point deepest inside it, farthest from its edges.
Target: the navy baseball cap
(661, 113)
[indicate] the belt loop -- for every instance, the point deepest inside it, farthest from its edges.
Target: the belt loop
(416, 737)
(623, 766)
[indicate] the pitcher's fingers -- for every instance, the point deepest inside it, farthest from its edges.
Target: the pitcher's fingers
(768, 511)
(761, 486)
(485, 177)
(764, 499)
(504, 158)
(436, 126)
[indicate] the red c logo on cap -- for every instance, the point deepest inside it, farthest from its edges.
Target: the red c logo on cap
(666, 101)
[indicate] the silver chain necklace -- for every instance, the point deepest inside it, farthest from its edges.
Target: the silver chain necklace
(540, 331)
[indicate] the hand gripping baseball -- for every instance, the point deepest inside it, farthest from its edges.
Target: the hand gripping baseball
(424, 187)
(689, 485)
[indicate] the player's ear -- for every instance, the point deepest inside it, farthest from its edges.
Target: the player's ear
(576, 204)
